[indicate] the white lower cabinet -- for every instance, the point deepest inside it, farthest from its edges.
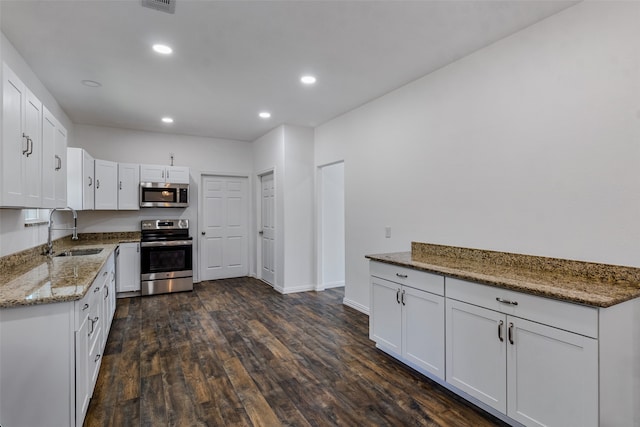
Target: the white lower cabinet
(529, 360)
(50, 355)
(128, 267)
(535, 374)
(407, 320)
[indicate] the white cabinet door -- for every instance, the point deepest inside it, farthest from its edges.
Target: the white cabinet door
(14, 145)
(128, 186)
(476, 352)
(80, 184)
(152, 173)
(61, 166)
(552, 375)
(386, 315)
(128, 267)
(49, 160)
(106, 185)
(423, 330)
(82, 371)
(177, 175)
(33, 170)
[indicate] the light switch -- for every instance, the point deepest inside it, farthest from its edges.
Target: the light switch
(387, 232)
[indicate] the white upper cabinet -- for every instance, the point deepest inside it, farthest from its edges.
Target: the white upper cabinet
(54, 162)
(128, 186)
(160, 173)
(80, 183)
(106, 185)
(21, 146)
(60, 169)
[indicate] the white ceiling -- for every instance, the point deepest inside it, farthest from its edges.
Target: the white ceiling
(233, 59)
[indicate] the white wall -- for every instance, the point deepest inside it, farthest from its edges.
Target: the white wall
(202, 155)
(14, 236)
(529, 145)
(288, 152)
(331, 230)
(299, 209)
(268, 156)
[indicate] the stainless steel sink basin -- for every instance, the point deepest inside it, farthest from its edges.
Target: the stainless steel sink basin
(80, 252)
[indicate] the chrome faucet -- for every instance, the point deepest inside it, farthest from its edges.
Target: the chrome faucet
(74, 228)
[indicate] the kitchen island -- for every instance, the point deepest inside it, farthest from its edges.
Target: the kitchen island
(533, 340)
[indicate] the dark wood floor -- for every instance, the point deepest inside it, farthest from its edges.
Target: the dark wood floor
(236, 353)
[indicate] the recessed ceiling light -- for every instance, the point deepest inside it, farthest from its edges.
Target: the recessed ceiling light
(91, 83)
(162, 48)
(308, 80)
(264, 114)
(167, 120)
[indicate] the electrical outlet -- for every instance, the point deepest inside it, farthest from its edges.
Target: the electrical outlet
(387, 232)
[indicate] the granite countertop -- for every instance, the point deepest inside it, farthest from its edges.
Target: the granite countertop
(598, 285)
(30, 278)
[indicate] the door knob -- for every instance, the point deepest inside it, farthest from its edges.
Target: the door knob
(204, 233)
(261, 232)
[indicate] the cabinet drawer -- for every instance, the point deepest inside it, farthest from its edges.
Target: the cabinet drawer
(563, 315)
(417, 279)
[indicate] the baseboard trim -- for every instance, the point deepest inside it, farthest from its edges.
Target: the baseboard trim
(294, 289)
(355, 305)
(330, 285)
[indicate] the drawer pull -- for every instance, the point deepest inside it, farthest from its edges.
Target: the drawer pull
(506, 301)
(511, 333)
(403, 298)
(398, 296)
(500, 331)
(85, 307)
(96, 289)
(402, 276)
(97, 358)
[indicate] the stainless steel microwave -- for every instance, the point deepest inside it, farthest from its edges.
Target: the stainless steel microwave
(163, 195)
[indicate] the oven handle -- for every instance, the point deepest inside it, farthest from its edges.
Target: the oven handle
(166, 243)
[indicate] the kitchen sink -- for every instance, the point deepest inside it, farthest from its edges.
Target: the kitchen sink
(80, 252)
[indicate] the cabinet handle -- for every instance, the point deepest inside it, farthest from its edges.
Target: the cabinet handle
(58, 162)
(105, 273)
(97, 358)
(398, 296)
(85, 307)
(163, 174)
(29, 150)
(93, 323)
(167, 174)
(138, 247)
(97, 183)
(511, 333)
(402, 298)
(107, 295)
(120, 185)
(506, 301)
(402, 276)
(96, 290)
(500, 331)
(90, 181)
(26, 137)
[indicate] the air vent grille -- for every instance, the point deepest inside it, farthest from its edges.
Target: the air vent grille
(168, 6)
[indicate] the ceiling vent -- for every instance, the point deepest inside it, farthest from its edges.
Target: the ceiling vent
(168, 6)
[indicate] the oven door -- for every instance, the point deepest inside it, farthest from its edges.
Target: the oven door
(166, 259)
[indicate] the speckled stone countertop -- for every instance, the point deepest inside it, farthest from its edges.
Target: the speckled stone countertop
(30, 278)
(598, 285)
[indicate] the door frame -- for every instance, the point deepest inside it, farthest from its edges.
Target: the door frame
(206, 174)
(257, 224)
(320, 285)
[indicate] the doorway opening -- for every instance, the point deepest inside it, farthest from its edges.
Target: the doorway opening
(331, 226)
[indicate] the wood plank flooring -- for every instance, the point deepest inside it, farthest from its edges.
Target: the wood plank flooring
(236, 353)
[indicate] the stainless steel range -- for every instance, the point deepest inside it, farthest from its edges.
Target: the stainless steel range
(166, 258)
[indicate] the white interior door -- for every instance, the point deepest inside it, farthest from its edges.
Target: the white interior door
(268, 230)
(224, 244)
